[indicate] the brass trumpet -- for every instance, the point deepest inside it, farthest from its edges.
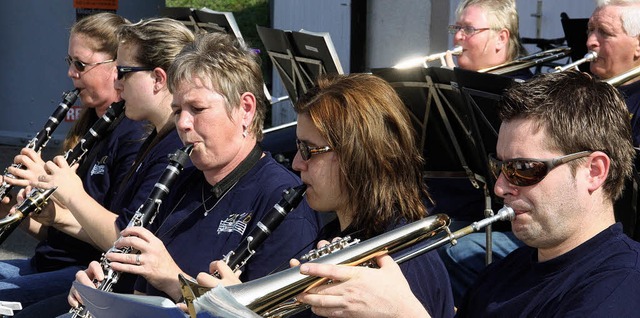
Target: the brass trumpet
(273, 295)
(528, 61)
(423, 60)
(590, 56)
(624, 77)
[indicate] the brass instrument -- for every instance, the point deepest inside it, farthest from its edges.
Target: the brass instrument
(590, 56)
(145, 215)
(624, 77)
(273, 295)
(40, 140)
(528, 61)
(38, 198)
(422, 61)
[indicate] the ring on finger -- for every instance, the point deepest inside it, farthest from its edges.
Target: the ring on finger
(138, 259)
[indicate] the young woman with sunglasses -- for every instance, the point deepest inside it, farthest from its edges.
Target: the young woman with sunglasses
(358, 158)
(63, 250)
(145, 51)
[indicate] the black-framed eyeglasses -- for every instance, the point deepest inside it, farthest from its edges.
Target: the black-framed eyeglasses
(80, 66)
(524, 172)
(124, 70)
(466, 30)
(306, 152)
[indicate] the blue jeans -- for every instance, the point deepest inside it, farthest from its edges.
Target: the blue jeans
(19, 281)
(465, 260)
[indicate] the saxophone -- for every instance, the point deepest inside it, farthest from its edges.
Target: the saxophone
(38, 198)
(237, 258)
(145, 214)
(274, 295)
(40, 140)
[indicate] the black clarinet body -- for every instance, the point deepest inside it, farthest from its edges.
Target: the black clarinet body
(40, 140)
(38, 198)
(143, 216)
(290, 200)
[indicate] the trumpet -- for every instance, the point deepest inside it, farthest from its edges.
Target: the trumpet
(528, 61)
(38, 198)
(41, 139)
(590, 56)
(273, 295)
(624, 77)
(417, 61)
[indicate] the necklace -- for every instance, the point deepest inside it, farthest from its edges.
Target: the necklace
(213, 195)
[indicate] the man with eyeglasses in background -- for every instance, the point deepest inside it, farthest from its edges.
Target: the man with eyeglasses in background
(560, 169)
(614, 34)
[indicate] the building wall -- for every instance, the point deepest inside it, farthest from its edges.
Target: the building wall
(34, 74)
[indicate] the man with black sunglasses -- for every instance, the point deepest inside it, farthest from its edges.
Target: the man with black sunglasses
(560, 168)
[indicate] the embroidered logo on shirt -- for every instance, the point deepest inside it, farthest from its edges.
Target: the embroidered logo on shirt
(100, 166)
(235, 222)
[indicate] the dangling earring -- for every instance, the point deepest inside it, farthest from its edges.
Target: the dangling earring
(244, 131)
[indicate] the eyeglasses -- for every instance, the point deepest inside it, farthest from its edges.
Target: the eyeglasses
(306, 152)
(124, 70)
(466, 30)
(80, 66)
(524, 172)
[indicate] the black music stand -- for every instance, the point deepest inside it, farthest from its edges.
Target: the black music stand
(575, 32)
(482, 92)
(315, 54)
(182, 14)
(443, 130)
(278, 45)
(215, 21)
(299, 58)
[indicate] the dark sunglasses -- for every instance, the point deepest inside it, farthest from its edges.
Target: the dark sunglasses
(80, 66)
(124, 70)
(524, 172)
(306, 152)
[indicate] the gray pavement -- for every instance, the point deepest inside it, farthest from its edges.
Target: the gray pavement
(19, 244)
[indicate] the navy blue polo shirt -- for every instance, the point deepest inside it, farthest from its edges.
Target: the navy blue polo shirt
(195, 238)
(631, 94)
(115, 154)
(138, 186)
(599, 278)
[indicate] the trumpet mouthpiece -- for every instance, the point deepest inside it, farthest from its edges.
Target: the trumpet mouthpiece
(456, 50)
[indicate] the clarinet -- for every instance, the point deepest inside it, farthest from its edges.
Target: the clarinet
(38, 198)
(237, 258)
(41, 139)
(291, 197)
(145, 214)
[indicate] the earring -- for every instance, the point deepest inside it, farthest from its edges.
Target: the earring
(244, 131)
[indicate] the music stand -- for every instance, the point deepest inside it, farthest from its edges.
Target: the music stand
(278, 45)
(575, 32)
(315, 55)
(482, 92)
(182, 14)
(216, 21)
(443, 131)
